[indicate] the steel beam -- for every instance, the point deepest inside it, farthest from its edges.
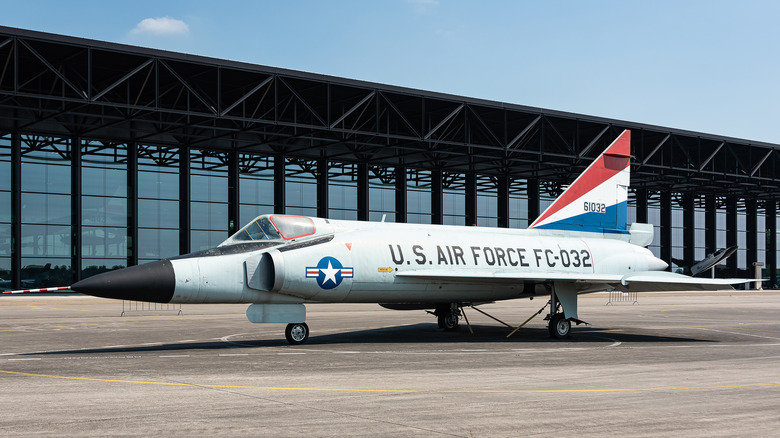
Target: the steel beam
(75, 207)
(16, 210)
(132, 204)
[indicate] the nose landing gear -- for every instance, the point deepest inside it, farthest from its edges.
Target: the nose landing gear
(297, 333)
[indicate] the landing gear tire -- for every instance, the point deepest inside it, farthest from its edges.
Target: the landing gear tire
(297, 333)
(559, 327)
(449, 322)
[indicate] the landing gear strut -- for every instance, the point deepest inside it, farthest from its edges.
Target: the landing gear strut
(559, 325)
(297, 333)
(448, 316)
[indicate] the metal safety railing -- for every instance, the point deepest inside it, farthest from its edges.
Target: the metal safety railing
(616, 296)
(142, 306)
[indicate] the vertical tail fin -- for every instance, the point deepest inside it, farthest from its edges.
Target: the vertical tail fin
(597, 200)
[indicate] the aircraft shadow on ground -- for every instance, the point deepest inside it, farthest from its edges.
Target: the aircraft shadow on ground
(422, 333)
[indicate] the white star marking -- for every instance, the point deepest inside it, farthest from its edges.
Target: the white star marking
(330, 273)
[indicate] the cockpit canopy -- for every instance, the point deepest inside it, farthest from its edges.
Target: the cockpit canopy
(273, 227)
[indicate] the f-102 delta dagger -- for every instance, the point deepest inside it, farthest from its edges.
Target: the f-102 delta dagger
(280, 263)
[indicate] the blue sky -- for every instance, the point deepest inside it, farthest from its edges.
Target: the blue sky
(710, 66)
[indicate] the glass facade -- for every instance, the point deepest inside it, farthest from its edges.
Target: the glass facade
(47, 222)
(158, 203)
(103, 207)
(741, 254)
(678, 231)
(381, 194)
(418, 196)
(256, 187)
(208, 199)
(46, 211)
(518, 204)
(487, 201)
(342, 191)
(454, 199)
(300, 187)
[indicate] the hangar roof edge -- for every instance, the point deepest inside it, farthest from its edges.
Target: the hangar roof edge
(179, 56)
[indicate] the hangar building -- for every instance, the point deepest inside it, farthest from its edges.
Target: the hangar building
(113, 155)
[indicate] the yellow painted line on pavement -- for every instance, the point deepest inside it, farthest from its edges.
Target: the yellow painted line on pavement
(432, 391)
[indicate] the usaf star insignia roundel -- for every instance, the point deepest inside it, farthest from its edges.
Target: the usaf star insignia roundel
(329, 272)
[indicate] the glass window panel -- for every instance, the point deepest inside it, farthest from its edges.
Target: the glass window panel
(5, 174)
(5, 273)
(104, 182)
(5, 206)
(41, 208)
(208, 188)
(376, 216)
(46, 240)
(381, 199)
(155, 213)
(302, 211)
(98, 266)
(249, 212)
(487, 221)
(454, 203)
(348, 215)
(104, 211)
(45, 178)
(104, 242)
(300, 194)
(677, 217)
(5, 239)
(207, 239)
(209, 216)
(720, 220)
(518, 223)
(342, 196)
(256, 191)
(720, 240)
(699, 238)
(158, 185)
(154, 244)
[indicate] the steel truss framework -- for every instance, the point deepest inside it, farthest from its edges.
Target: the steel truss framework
(75, 88)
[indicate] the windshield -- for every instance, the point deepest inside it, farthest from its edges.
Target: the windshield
(273, 227)
(259, 229)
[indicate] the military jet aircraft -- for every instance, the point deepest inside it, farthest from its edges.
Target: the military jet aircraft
(279, 263)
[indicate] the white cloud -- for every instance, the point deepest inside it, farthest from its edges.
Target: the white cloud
(422, 6)
(161, 26)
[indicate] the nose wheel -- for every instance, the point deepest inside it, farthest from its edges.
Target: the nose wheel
(297, 333)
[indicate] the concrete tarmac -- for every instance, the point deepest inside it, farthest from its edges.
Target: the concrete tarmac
(675, 364)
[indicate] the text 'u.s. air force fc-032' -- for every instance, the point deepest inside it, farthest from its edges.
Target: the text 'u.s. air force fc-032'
(280, 263)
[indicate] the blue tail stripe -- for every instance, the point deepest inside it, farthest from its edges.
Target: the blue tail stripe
(613, 220)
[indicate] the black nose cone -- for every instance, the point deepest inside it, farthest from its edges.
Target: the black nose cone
(154, 282)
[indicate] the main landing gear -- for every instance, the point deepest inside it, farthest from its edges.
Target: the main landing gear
(297, 333)
(448, 316)
(559, 327)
